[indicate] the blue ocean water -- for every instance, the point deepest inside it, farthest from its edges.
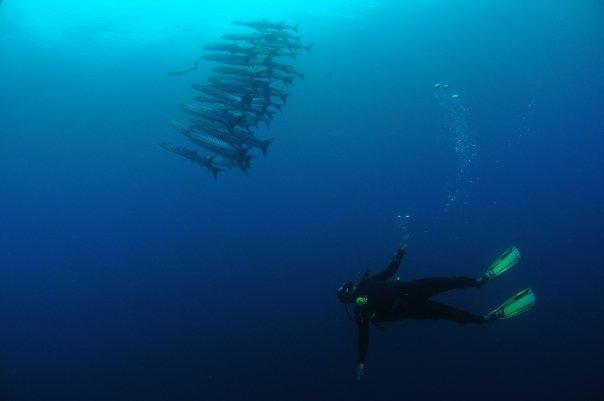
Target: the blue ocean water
(130, 274)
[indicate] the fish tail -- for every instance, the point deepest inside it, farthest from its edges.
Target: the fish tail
(246, 101)
(264, 145)
(215, 170)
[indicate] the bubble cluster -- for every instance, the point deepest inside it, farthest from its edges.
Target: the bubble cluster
(526, 119)
(402, 222)
(465, 147)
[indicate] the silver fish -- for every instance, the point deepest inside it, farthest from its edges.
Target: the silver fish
(210, 90)
(193, 156)
(185, 70)
(230, 48)
(228, 59)
(264, 24)
(216, 145)
(220, 116)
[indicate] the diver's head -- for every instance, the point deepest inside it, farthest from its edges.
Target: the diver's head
(346, 292)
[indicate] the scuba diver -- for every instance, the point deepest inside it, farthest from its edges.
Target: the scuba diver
(379, 300)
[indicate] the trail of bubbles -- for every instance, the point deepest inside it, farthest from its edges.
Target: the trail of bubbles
(403, 220)
(464, 145)
(527, 119)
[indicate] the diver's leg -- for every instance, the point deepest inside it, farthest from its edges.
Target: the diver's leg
(434, 310)
(427, 287)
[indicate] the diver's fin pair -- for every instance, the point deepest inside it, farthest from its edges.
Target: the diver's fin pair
(519, 303)
(505, 262)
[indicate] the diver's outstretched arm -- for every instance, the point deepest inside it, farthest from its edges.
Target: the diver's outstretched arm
(363, 326)
(395, 263)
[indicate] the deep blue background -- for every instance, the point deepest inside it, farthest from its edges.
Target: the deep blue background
(129, 274)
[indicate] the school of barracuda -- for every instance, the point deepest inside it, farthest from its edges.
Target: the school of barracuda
(247, 88)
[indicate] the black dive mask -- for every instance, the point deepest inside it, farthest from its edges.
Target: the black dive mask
(345, 292)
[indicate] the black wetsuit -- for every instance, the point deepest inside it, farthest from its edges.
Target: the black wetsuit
(398, 300)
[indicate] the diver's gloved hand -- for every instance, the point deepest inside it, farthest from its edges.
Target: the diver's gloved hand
(360, 370)
(480, 281)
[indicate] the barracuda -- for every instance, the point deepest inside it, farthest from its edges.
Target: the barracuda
(177, 125)
(282, 67)
(185, 70)
(238, 140)
(193, 156)
(263, 97)
(261, 144)
(226, 136)
(202, 123)
(294, 46)
(264, 24)
(248, 37)
(214, 144)
(220, 116)
(213, 100)
(273, 51)
(269, 74)
(248, 82)
(227, 59)
(235, 71)
(230, 48)
(224, 162)
(283, 35)
(243, 101)
(234, 89)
